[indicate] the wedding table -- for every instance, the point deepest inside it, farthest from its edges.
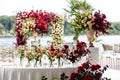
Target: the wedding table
(112, 73)
(31, 73)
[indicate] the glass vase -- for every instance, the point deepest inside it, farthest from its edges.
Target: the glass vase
(59, 62)
(40, 62)
(51, 63)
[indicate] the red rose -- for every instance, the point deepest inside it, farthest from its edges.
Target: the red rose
(98, 66)
(86, 65)
(81, 69)
(72, 76)
(87, 77)
(75, 51)
(93, 67)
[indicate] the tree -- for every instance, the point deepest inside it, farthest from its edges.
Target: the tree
(77, 6)
(1, 28)
(7, 22)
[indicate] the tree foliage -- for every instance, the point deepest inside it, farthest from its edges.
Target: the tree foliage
(7, 24)
(77, 6)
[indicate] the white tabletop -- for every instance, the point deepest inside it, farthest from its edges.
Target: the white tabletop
(29, 73)
(112, 73)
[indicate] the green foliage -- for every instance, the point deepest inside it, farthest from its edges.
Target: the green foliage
(76, 6)
(116, 28)
(1, 28)
(7, 22)
(68, 29)
(44, 78)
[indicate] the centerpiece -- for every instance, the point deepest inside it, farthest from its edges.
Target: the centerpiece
(88, 71)
(100, 25)
(33, 22)
(79, 50)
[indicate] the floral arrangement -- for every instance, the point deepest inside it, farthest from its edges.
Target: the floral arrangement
(81, 22)
(88, 71)
(57, 32)
(34, 55)
(54, 53)
(57, 53)
(85, 71)
(100, 24)
(90, 21)
(33, 21)
(36, 22)
(77, 52)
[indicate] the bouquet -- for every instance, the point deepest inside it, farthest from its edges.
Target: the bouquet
(88, 71)
(100, 24)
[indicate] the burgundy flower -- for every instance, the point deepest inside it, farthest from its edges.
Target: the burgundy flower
(98, 75)
(98, 66)
(66, 46)
(100, 24)
(73, 75)
(42, 21)
(87, 77)
(93, 67)
(89, 72)
(81, 69)
(86, 65)
(105, 68)
(75, 51)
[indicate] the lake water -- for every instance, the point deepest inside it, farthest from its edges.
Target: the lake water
(111, 40)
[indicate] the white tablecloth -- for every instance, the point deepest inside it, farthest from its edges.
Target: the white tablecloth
(15, 73)
(94, 55)
(112, 73)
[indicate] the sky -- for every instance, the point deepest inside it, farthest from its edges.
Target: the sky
(10, 7)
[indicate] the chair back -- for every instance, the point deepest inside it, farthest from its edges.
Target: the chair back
(107, 47)
(117, 48)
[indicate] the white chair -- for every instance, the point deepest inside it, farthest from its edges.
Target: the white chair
(107, 57)
(117, 55)
(117, 49)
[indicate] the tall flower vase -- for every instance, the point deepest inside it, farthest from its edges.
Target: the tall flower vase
(21, 53)
(91, 36)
